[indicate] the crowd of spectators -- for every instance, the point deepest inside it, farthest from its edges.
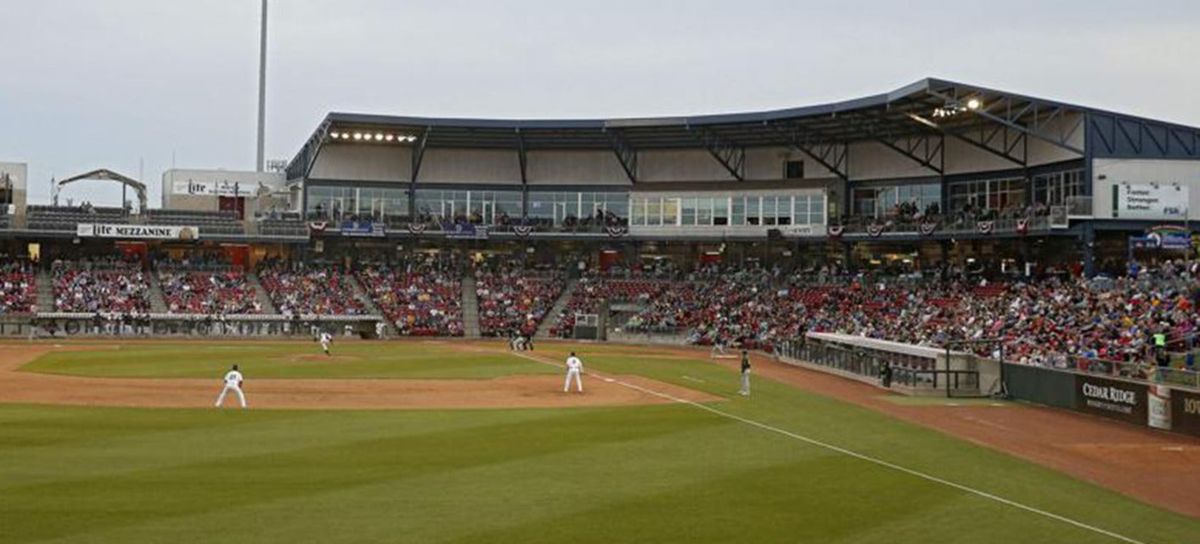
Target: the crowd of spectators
(100, 285)
(513, 299)
(297, 288)
(18, 287)
(1043, 321)
(420, 294)
(189, 292)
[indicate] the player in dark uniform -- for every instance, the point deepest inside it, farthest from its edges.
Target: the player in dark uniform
(745, 391)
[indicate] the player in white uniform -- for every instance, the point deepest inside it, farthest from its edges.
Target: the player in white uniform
(574, 369)
(233, 382)
(326, 338)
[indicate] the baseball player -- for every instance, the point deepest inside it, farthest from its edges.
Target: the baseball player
(233, 382)
(745, 392)
(326, 339)
(574, 369)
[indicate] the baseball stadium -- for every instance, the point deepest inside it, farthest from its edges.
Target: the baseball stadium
(942, 313)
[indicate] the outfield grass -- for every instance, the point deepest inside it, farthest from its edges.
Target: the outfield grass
(638, 474)
(285, 360)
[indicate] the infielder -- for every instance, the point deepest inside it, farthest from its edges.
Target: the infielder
(574, 369)
(745, 392)
(326, 339)
(233, 382)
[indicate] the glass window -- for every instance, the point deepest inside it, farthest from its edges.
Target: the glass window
(753, 210)
(704, 214)
(638, 214)
(721, 211)
(654, 209)
(688, 215)
(670, 211)
(739, 210)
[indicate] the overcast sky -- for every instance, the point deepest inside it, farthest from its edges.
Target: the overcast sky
(107, 83)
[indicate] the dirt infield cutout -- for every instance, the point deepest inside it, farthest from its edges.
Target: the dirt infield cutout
(532, 391)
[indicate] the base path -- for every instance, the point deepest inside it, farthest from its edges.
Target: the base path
(533, 391)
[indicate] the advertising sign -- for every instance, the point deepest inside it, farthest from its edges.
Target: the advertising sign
(136, 232)
(1159, 407)
(465, 231)
(212, 188)
(363, 228)
(1115, 399)
(1150, 201)
(1185, 412)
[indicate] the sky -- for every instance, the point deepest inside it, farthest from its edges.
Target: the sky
(140, 85)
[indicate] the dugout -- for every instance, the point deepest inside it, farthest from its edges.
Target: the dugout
(916, 370)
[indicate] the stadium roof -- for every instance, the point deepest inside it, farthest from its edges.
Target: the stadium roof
(910, 120)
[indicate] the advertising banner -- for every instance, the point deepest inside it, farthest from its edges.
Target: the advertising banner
(465, 231)
(136, 232)
(212, 188)
(1115, 399)
(1159, 407)
(1150, 201)
(363, 228)
(1185, 412)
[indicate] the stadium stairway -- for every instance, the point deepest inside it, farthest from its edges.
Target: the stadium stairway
(260, 294)
(470, 307)
(158, 302)
(45, 291)
(547, 323)
(361, 293)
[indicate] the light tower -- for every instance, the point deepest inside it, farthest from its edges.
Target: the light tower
(262, 88)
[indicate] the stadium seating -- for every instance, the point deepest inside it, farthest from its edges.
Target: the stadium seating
(302, 289)
(514, 300)
(419, 298)
(207, 292)
(18, 287)
(91, 288)
(65, 218)
(218, 222)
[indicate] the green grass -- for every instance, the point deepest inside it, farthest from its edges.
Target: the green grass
(636, 474)
(285, 360)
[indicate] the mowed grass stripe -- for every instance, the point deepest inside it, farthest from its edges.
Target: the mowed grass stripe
(351, 360)
(722, 478)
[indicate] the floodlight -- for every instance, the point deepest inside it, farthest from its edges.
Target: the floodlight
(973, 104)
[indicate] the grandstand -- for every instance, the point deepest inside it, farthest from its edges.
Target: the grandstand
(883, 216)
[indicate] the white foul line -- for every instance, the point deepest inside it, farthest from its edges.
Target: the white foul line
(856, 455)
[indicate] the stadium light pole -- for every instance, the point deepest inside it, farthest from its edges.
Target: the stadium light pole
(262, 87)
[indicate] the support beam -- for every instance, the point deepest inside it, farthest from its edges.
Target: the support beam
(729, 154)
(927, 148)
(418, 155)
(833, 155)
(1010, 114)
(522, 158)
(625, 153)
(313, 148)
(982, 141)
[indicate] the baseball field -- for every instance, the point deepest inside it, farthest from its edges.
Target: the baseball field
(466, 442)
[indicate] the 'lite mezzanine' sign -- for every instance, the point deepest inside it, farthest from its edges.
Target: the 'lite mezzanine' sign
(136, 232)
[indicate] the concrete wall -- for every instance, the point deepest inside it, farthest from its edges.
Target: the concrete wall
(470, 166)
(364, 162)
(248, 182)
(18, 173)
(575, 168)
(1109, 172)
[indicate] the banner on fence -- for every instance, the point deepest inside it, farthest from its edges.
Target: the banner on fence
(1115, 399)
(1185, 412)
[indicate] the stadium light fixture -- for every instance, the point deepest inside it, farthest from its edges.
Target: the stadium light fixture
(973, 104)
(357, 135)
(378, 136)
(388, 137)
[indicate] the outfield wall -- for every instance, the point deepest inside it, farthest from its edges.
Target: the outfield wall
(1158, 406)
